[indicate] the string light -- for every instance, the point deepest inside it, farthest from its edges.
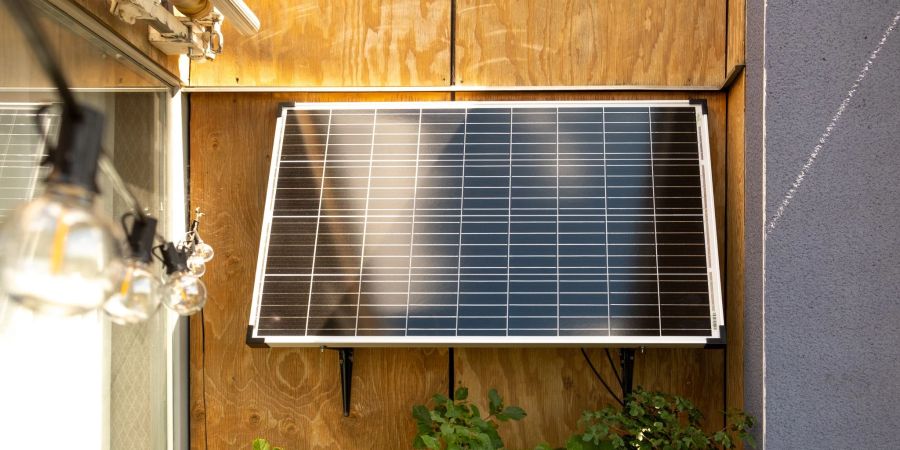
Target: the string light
(139, 293)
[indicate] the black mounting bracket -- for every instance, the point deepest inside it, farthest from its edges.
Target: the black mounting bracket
(626, 358)
(345, 356)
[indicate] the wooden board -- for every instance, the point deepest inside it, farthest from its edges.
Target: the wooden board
(583, 42)
(291, 396)
(737, 24)
(328, 43)
(734, 292)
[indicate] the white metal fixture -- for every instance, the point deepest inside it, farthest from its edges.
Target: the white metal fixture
(196, 32)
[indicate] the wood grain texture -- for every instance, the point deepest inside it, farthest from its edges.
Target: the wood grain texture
(290, 396)
(734, 291)
(737, 23)
(556, 385)
(329, 43)
(136, 35)
(583, 42)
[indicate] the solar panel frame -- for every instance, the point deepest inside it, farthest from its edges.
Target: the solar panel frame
(716, 316)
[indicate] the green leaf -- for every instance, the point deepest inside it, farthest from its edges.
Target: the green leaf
(512, 413)
(495, 403)
(261, 444)
(461, 394)
(422, 416)
(430, 442)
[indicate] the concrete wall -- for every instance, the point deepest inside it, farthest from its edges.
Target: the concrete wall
(823, 365)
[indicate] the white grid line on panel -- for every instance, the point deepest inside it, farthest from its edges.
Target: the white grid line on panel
(412, 227)
(312, 270)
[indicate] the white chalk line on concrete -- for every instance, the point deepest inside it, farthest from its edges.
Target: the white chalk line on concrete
(823, 139)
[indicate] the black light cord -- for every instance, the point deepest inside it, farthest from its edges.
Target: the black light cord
(24, 16)
(600, 377)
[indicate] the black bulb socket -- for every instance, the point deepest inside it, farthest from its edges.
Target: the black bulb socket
(141, 237)
(174, 259)
(77, 151)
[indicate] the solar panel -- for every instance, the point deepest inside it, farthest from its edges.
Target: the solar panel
(21, 152)
(488, 223)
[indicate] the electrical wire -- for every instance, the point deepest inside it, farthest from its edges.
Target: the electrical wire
(119, 185)
(24, 16)
(600, 377)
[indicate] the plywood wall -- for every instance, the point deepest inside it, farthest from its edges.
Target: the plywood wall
(336, 43)
(586, 42)
(496, 42)
(292, 396)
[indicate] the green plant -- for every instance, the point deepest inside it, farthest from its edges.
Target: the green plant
(458, 424)
(262, 444)
(655, 420)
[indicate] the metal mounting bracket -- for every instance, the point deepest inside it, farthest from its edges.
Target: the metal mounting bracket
(345, 357)
(626, 358)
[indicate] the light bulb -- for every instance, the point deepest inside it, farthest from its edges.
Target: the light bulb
(184, 293)
(196, 265)
(138, 295)
(58, 256)
(204, 250)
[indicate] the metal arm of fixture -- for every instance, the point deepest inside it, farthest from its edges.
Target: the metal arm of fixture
(197, 34)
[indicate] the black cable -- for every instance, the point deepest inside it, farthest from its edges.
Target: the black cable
(600, 378)
(24, 16)
(203, 355)
(615, 371)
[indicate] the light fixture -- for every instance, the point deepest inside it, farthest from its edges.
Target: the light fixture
(183, 292)
(57, 255)
(138, 295)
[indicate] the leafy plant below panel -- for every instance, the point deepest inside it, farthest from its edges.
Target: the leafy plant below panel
(459, 424)
(655, 420)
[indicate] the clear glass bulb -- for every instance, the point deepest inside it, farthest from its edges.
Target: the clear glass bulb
(196, 265)
(184, 293)
(57, 256)
(138, 296)
(204, 250)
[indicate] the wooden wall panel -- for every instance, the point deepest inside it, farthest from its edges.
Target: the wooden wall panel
(584, 42)
(737, 25)
(328, 43)
(556, 385)
(291, 396)
(734, 288)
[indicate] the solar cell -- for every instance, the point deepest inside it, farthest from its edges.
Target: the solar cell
(486, 223)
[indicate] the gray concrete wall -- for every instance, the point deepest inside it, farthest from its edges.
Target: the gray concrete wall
(827, 366)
